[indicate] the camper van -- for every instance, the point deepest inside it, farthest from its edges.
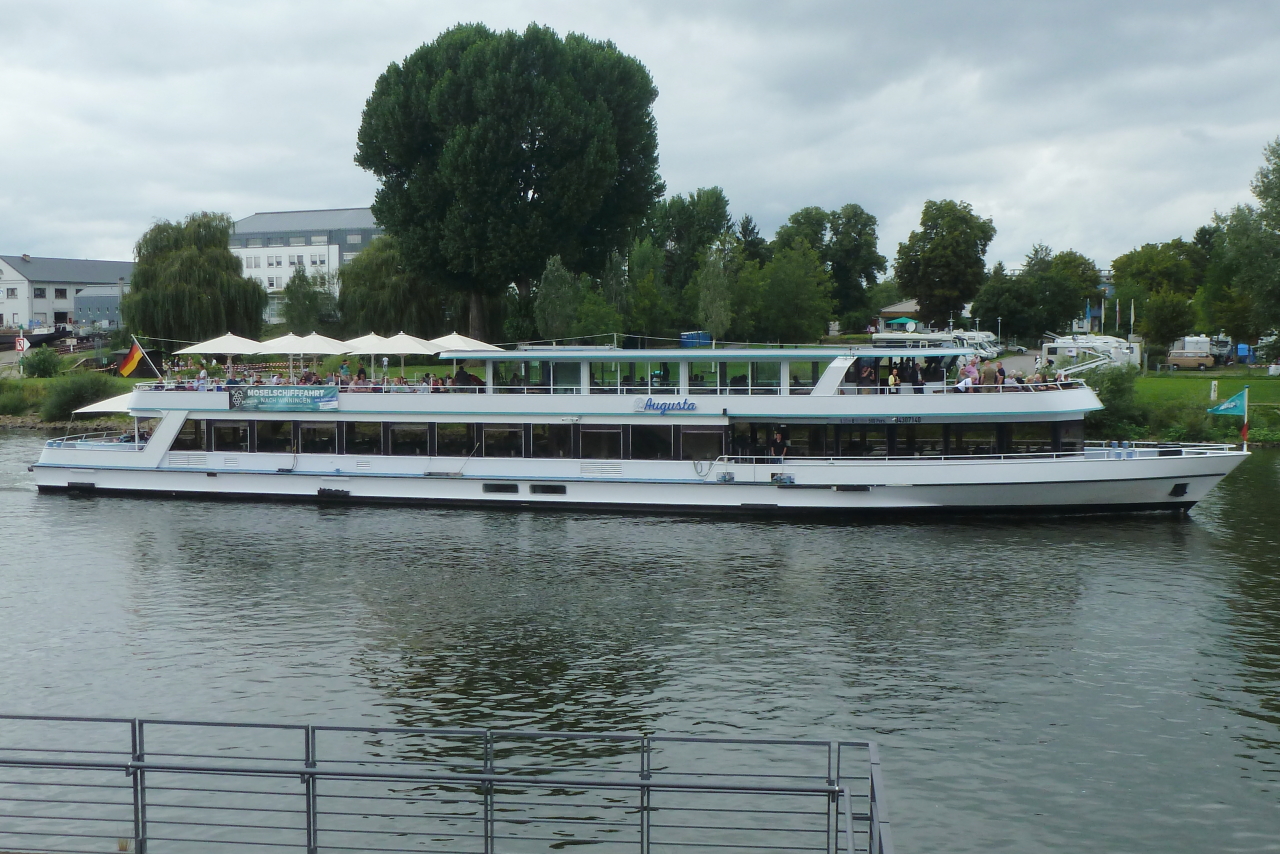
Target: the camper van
(1076, 348)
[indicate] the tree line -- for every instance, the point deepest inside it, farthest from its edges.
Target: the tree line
(521, 200)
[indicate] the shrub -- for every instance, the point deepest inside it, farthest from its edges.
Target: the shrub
(12, 402)
(1122, 418)
(67, 395)
(41, 362)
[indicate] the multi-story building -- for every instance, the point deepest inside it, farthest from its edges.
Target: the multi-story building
(272, 245)
(48, 292)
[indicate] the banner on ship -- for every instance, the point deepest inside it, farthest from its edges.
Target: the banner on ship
(269, 398)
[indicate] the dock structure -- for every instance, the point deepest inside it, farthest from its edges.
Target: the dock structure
(74, 784)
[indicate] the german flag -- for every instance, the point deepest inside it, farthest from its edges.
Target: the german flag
(130, 362)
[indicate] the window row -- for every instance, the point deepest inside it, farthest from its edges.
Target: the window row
(548, 441)
(39, 293)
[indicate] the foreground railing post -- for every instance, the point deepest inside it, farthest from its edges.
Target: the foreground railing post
(139, 791)
(487, 789)
(309, 788)
(646, 773)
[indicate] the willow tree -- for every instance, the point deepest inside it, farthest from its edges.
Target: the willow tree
(497, 151)
(188, 286)
(381, 294)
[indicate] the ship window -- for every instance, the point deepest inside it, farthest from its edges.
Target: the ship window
(920, 440)
(509, 488)
(811, 440)
(600, 442)
(567, 377)
(454, 440)
(1073, 436)
(858, 440)
(1034, 438)
(548, 489)
(318, 437)
(701, 443)
(503, 440)
(231, 436)
(649, 377)
(190, 437)
(766, 377)
(411, 440)
(973, 439)
(519, 377)
(805, 375)
(275, 437)
(552, 440)
(604, 377)
(704, 377)
(736, 377)
(364, 437)
(652, 442)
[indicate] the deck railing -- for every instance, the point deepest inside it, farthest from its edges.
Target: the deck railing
(82, 784)
(111, 440)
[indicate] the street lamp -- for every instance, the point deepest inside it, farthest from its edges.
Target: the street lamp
(999, 337)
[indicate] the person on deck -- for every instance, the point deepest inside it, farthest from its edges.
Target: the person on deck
(778, 447)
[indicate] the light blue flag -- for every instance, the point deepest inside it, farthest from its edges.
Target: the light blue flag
(1234, 405)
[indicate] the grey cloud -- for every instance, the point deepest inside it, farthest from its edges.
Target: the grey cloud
(1098, 126)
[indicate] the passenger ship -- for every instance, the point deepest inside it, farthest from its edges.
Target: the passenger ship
(682, 430)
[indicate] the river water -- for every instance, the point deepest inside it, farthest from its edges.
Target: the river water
(1045, 685)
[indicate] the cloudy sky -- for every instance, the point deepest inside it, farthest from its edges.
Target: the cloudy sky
(1090, 125)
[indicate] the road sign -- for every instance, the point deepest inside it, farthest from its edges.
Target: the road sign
(20, 344)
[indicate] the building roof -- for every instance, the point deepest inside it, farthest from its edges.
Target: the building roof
(70, 270)
(909, 306)
(323, 220)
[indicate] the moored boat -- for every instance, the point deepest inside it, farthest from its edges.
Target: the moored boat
(770, 431)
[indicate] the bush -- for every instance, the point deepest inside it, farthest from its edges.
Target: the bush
(67, 395)
(1122, 418)
(12, 402)
(41, 362)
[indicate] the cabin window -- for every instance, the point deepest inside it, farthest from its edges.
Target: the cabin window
(920, 440)
(1035, 438)
(519, 377)
(704, 377)
(805, 375)
(190, 437)
(701, 443)
(566, 377)
(318, 437)
(808, 440)
(863, 440)
(275, 437)
(766, 377)
(363, 437)
(551, 441)
(1072, 436)
(503, 440)
(977, 439)
(454, 440)
(735, 377)
(231, 436)
(652, 442)
(410, 440)
(604, 377)
(649, 377)
(601, 442)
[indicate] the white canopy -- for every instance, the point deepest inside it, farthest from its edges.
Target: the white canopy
(119, 403)
(371, 343)
(319, 344)
(291, 344)
(225, 345)
(407, 345)
(454, 341)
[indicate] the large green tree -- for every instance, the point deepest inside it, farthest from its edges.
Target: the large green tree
(847, 243)
(188, 286)
(381, 293)
(1168, 316)
(1008, 303)
(794, 292)
(310, 304)
(941, 266)
(685, 226)
(1251, 243)
(496, 151)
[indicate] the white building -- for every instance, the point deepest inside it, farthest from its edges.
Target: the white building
(48, 292)
(273, 244)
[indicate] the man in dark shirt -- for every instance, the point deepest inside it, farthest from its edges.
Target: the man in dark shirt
(778, 447)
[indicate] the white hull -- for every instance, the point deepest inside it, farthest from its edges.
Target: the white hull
(1091, 482)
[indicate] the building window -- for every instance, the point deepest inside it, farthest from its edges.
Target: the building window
(354, 238)
(321, 260)
(319, 240)
(313, 260)
(37, 293)
(279, 260)
(271, 260)
(297, 241)
(59, 293)
(348, 256)
(253, 242)
(11, 293)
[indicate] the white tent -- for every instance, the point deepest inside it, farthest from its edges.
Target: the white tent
(293, 345)
(320, 345)
(407, 345)
(370, 345)
(454, 341)
(229, 344)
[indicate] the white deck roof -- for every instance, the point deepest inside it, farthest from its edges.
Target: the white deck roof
(698, 354)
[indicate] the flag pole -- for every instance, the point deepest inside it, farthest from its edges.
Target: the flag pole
(1245, 432)
(143, 351)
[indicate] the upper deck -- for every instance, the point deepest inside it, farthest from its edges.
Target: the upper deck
(693, 385)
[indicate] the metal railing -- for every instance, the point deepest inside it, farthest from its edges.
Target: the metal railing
(1090, 450)
(71, 784)
(116, 440)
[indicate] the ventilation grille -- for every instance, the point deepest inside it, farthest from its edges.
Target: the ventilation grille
(231, 462)
(364, 465)
(188, 459)
(602, 469)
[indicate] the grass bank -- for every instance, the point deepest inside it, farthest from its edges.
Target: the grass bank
(1172, 407)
